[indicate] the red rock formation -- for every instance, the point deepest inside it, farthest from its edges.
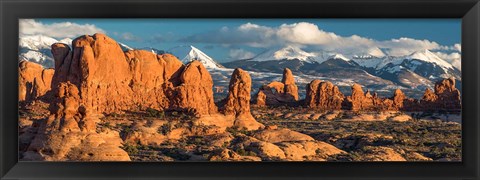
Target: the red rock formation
(429, 96)
(261, 98)
(277, 93)
(33, 81)
(195, 91)
(271, 94)
(398, 98)
(446, 97)
(238, 100)
(323, 95)
(360, 100)
(97, 77)
(111, 81)
(290, 88)
(69, 134)
(277, 86)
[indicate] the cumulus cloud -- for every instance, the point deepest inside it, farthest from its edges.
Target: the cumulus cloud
(56, 30)
(240, 54)
(453, 58)
(457, 47)
(310, 36)
(404, 45)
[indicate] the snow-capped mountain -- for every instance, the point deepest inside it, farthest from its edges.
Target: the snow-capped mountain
(190, 53)
(36, 48)
(424, 63)
(418, 70)
(338, 56)
(285, 53)
(420, 56)
(413, 72)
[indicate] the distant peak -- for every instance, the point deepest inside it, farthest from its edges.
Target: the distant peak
(339, 56)
(428, 56)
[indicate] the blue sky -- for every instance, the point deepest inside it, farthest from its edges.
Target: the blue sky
(221, 38)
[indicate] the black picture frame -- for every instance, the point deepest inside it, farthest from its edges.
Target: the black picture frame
(467, 10)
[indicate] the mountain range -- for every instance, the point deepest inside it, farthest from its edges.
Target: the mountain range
(412, 73)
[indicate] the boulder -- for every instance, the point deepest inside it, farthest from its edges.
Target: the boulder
(308, 150)
(280, 135)
(382, 154)
(229, 155)
(266, 150)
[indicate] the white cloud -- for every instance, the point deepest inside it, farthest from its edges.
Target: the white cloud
(453, 58)
(308, 35)
(56, 30)
(404, 46)
(304, 33)
(238, 54)
(457, 47)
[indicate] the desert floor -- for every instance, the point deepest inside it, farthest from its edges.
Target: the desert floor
(364, 136)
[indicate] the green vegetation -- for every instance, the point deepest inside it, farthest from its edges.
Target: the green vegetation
(243, 152)
(155, 113)
(235, 131)
(166, 128)
(131, 149)
(435, 139)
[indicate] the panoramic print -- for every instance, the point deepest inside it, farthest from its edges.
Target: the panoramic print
(191, 90)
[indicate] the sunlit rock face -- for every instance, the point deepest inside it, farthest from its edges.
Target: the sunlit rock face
(33, 81)
(277, 93)
(238, 100)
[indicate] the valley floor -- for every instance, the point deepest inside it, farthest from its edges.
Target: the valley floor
(366, 136)
(423, 136)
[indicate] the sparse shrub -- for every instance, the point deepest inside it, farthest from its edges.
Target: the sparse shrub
(243, 152)
(176, 154)
(130, 148)
(236, 131)
(155, 113)
(106, 125)
(225, 144)
(166, 128)
(126, 131)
